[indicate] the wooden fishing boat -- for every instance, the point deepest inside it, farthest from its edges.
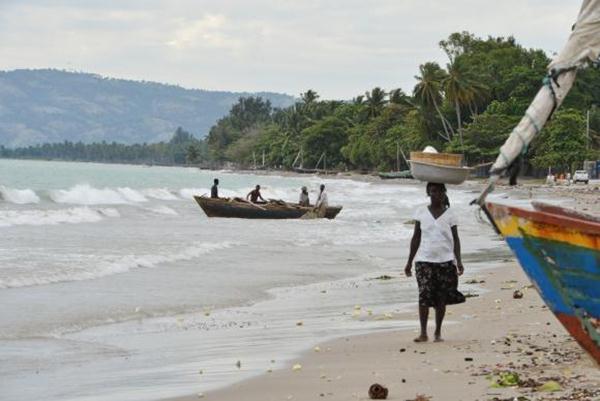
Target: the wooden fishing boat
(559, 250)
(235, 207)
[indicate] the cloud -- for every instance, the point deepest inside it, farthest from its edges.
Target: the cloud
(208, 31)
(339, 48)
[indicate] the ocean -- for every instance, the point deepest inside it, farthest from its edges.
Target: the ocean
(114, 285)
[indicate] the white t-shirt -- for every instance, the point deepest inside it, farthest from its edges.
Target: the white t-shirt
(437, 243)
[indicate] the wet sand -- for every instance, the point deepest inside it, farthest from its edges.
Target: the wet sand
(487, 335)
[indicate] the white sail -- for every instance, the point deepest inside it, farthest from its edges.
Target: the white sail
(582, 48)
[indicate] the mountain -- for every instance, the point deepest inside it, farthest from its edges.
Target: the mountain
(39, 106)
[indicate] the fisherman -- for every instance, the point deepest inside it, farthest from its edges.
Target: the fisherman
(322, 202)
(214, 190)
(304, 200)
(254, 195)
(436, 245)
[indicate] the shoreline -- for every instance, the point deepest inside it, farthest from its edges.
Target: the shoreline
(487, 335)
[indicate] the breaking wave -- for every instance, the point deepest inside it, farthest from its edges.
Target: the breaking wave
(37, 217)
(18, 196)
(105, 266)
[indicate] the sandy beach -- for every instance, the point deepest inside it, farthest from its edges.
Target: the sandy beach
(496, 347)
(484, 337)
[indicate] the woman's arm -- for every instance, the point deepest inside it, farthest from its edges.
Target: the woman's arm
(459, 266)
(415, 242)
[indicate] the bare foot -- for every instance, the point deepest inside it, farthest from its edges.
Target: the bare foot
(421, 339)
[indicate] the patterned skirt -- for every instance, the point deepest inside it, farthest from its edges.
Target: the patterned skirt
(438, 284)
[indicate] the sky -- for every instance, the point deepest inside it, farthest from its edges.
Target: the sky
(339, 48)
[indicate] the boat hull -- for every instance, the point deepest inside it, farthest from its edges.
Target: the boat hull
(560, 252)
(429, 172)
(223, 207)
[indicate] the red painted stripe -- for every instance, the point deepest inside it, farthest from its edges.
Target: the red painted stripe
(575, 328)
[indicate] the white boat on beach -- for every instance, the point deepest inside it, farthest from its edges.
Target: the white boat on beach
(430, 172)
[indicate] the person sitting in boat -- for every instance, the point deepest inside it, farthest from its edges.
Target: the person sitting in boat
(214, 190)
(254, 195)
(304, 200)
(438, 261)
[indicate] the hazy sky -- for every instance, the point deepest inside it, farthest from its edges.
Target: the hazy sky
(340, 48)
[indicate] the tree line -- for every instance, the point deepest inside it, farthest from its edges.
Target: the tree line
(182, 149)
(468, 106)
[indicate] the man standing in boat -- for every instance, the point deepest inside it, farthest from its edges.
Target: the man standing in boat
(254, 195)
(214, 190)
(322, 202)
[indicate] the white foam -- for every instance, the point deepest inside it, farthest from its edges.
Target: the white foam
(189, 193)
(52, 217)
(163, 210)
(18, 196)
(107, 266)
(84, 194)
(159, 193)
(132, 195)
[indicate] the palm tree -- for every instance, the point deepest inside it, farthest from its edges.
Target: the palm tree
(310, 96)
(461, 90)
(428, 92)
(375, 101)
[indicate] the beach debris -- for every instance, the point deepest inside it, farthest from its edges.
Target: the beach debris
(378, 392)
(296, 367)
(470, 295)
(299, 323)
(383, 277)
(421, 397)
(517, 294)
(474, 281)
(468, 359)
(269, 370)
(402, 349)
(356, 307)
(317, 349)
(200, 372)
(323, 376)
(550, 386)
(238, 364)
(505, 379)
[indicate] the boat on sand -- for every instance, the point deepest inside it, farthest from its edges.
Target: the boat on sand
(559, 249)
(274, 209)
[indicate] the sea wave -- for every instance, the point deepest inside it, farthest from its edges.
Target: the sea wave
(38, 217)
(106, 266)
(159, 193)
(18, 196)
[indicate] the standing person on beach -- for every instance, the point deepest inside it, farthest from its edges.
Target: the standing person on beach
(436, 245)
(214, 190)
(304, 199)
(254, 195)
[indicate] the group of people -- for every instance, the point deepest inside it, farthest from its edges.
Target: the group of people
(254, 195)
(434, 250)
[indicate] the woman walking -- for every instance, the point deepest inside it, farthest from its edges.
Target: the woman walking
(436, 248)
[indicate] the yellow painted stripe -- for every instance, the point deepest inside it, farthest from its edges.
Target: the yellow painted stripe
(512, 226)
